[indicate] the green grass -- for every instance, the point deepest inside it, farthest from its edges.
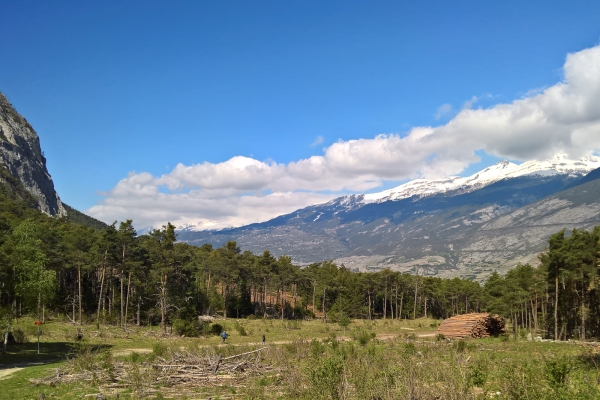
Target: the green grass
(312, 360)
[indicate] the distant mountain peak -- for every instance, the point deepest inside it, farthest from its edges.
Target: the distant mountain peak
(558, 164)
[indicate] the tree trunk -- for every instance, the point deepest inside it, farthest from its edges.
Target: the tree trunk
(127, 298)
(139, 311)
(100, 296)
(79, 291)
(396, 315)
(282, 301)
(415, 305)
(314, 295)
(163, 303)
(324, 313)
(401, 300)
(556, 310)
(121, 301)
(265, 303)
(295, 294)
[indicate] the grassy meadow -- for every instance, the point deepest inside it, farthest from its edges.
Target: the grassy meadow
(380, 359)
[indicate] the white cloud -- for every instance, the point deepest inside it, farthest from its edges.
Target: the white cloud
(469, 103)
(443, 110)
(317, 141)
(563, 118)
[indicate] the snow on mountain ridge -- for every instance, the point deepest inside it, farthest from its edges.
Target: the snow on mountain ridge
(559, 164)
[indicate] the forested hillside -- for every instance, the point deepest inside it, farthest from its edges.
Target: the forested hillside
(113, 276)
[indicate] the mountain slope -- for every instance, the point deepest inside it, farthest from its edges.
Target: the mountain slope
(433, 232)
(21, 154)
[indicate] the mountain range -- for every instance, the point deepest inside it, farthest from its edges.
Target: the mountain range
(455, 226)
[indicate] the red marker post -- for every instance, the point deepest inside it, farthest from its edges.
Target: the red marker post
(38, 323)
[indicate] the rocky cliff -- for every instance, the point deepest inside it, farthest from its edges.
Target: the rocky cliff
(21, 154)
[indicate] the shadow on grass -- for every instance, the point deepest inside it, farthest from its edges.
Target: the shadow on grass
(27, 353)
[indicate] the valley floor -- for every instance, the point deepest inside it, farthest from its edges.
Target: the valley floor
(381, 359)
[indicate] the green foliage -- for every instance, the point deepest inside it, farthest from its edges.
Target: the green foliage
(557, 370)
(19, 336)
(80, 218)
(122, 278)
(344, 320)
(326, 378)
(478, 374)
(216, 329)
(240, 329)
(159, 349)
(186, 328)
(363, 336)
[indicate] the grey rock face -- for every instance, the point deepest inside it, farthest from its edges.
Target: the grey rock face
(21, 154)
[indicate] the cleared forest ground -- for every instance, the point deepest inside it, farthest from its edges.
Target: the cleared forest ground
(300, 360)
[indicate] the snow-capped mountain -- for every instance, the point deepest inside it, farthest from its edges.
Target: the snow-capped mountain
(453, 185)
(557, 165)
(467, 226)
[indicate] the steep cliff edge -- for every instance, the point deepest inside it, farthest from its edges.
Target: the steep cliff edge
(21, 154)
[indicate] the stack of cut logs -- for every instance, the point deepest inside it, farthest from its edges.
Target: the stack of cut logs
(474, 325)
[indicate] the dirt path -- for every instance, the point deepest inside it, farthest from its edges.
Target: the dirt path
(5, 373)
(127, 352)
(7, 370)
(381, 336)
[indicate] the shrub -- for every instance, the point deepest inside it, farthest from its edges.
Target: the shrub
(135, 357)
(316, 348)
(478, 375)
(557, 371)
(216, 329)
(240, 329)
(461, 346)
(19, 336)
(159, 349)
(363, 337)
(185, 328)
(326, 378)
(410, 350)
(440, 337)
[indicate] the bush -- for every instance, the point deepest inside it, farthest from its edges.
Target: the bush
(216, 329)
(316, 348)
(558, 370)
(159, 349)
(363, 337)
(326, 378)
(478, 375)
(19, 336)
(185, 328)
(240, 329)
(440, 337)
(410, 350)
(461, 346)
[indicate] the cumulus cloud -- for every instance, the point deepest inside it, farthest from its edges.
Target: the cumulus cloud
(562, 118)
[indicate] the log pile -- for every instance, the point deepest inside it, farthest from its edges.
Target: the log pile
(474, 325)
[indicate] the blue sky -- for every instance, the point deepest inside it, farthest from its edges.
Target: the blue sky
(116, 87)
